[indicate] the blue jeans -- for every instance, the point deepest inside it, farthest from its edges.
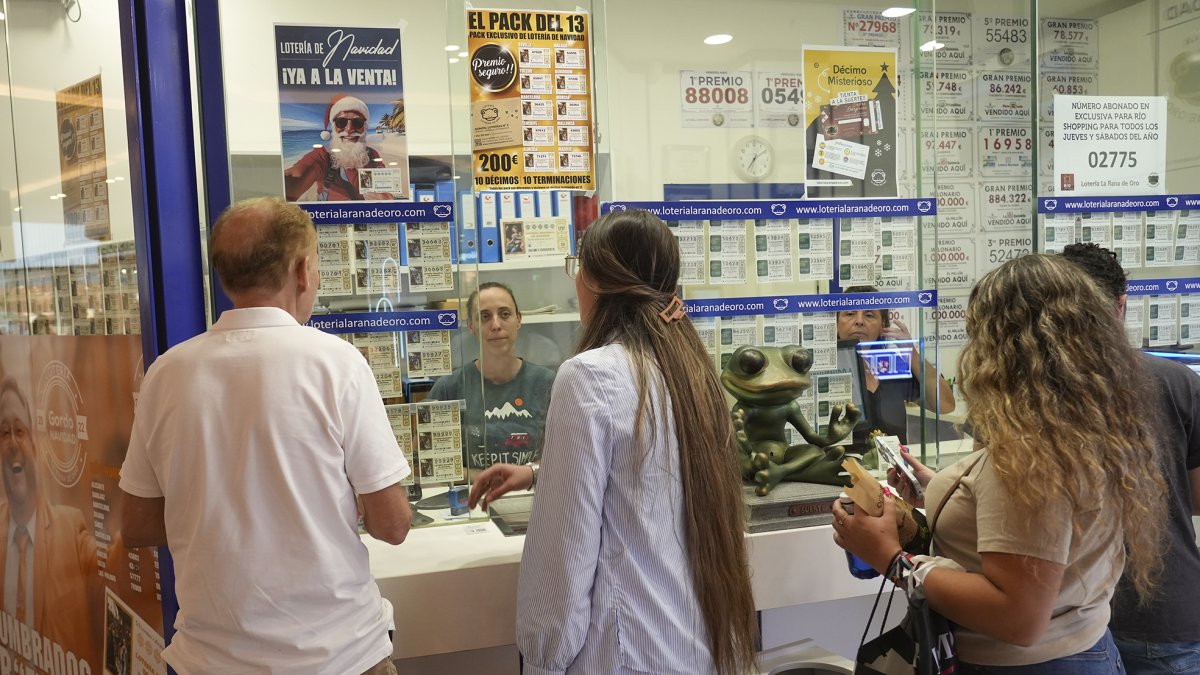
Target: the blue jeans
(1101, 659)
(1151, 658)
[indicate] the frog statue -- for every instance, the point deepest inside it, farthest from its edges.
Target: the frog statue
(766, 381)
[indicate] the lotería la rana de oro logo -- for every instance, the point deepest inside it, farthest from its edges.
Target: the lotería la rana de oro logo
(493, 67)
(60, 424)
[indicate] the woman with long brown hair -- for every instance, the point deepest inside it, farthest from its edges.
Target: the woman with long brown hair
(635, 558)
(1032, 529)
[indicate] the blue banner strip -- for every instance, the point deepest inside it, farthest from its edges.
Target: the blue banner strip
(385, 322)
(1163, 286)
(1114, 204)
(796, 304)
(784, 208)
(339, 213)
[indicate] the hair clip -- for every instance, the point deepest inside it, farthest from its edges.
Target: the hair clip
(674, 310)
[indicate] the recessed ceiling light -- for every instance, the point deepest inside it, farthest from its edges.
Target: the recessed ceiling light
(453, 59)
(462, 55)
(932, 45)
(452, 48)
(719, 39)
(897, 12)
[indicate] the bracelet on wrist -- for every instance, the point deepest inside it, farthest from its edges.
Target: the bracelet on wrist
(534, 468)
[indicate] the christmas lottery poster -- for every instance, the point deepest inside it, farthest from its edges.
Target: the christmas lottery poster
(850, 111)
(531, 100)
(341, 113)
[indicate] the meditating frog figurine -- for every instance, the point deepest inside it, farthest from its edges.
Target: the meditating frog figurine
(766, 381)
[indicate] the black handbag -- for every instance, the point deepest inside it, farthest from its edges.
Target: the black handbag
(923, 643)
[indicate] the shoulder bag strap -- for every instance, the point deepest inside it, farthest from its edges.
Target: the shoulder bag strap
(950, 493)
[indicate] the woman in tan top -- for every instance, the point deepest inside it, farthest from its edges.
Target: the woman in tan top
(1029, 546)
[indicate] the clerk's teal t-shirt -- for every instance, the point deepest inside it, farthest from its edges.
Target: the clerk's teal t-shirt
(502, 423)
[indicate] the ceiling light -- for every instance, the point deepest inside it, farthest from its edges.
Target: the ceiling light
(932, 45)
(453, 59)
(719, 39)
(897, 12)
(462, 55)
(452, 48)
(1, 16)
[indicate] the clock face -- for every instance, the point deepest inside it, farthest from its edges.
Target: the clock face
(754, 158)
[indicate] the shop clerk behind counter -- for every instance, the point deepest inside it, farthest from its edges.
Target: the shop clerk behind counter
(511, 393)
(887, 397)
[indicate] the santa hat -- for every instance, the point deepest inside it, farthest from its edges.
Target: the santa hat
(340, 104)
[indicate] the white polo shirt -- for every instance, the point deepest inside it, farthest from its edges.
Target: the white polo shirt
(259, 433)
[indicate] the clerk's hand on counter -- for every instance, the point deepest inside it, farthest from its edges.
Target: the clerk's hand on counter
(497, 480)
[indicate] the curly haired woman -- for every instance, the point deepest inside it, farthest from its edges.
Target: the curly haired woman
(1062, 494)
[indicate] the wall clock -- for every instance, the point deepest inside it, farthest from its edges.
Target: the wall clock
(753, 158)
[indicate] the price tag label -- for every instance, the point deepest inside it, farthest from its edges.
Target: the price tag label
(1064, 84)
(1001, 248)
(716, 98)
(1005, 151)
(778, 100)
(1006, 206)
(953, 31)
(951, 264)
(1004, 97)
(1002, 42)
(861, 28)
(956, 210)
(952, 150)
(1070, 44)
(947, 94)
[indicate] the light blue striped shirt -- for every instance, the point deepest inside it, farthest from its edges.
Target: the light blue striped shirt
(606, 584)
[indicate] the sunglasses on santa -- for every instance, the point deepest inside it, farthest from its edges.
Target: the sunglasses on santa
(356, 123)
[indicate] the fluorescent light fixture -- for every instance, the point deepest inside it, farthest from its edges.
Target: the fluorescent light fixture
(462, 55)
(897, 12)
(932, 45)
(453, 59)
(452, 48)
(718, 39)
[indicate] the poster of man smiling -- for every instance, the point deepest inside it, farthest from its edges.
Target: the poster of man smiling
(341, 113)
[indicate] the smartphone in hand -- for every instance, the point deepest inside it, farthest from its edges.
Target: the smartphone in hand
(889, 450)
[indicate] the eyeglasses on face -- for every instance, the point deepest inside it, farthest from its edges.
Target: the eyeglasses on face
(356, 123)
(571, 265)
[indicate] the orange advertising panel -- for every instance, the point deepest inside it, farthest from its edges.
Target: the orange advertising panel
(531, 100)
(74, 600)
